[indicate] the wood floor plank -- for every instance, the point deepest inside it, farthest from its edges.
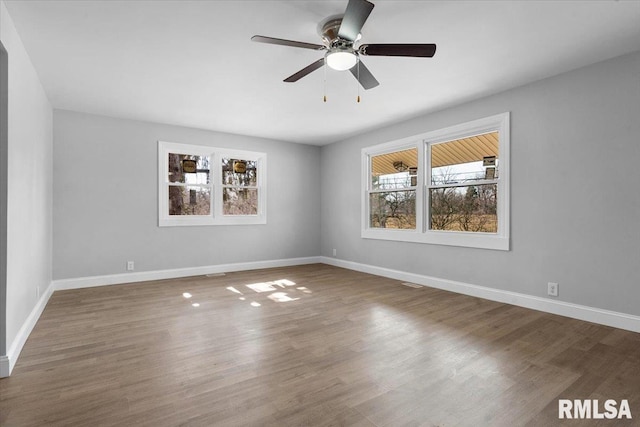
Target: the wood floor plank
(311, 345)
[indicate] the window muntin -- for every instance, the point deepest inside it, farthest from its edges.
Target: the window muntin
(461, 187)
(202, 185)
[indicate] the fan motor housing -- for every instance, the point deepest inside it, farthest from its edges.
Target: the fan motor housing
(328, 30)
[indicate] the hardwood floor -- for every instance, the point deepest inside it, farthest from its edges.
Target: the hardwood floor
(321, 346)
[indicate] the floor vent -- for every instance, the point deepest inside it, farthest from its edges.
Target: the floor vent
(411, 285)
(216, 274)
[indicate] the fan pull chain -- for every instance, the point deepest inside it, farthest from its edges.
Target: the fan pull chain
(358, 81)
(325, 80)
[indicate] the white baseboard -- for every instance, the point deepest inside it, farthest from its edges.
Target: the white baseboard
(9, 361)
(144, 276)
(590, 314)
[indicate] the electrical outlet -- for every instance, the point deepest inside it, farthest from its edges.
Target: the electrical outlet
(335, 252)
(552, 289)
(130, 266)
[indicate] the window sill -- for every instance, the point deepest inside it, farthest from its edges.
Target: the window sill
(462, 239)
(200, 221)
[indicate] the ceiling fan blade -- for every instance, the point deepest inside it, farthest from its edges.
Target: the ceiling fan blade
(363, 75)
(283, 42)
(306, 70)
(415, 50)
(354, 18)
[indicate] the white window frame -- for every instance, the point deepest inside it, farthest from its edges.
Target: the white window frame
(391, 147)
(216, 155)
(422, 233)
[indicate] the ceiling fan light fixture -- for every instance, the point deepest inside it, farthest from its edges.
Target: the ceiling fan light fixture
(341, 60)
(340, 36)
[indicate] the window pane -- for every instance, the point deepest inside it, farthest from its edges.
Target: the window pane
(239, 173)
(189, 200)
(393, 209)
(395, 170)
(188, 169)
(468, 208)
(240, 201)
(465, 160)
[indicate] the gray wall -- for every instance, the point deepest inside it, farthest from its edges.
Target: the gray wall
(29, 171)
(105, 209)
(4, 151)
(575, 204)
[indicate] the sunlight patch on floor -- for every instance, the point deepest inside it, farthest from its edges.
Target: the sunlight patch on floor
(281, 297)
(270, 286)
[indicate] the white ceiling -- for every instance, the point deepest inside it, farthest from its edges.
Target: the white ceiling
(192, 63)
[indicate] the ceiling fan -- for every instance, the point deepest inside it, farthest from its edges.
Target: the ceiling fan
(340, 33)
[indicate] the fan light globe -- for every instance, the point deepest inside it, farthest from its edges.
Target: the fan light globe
(341, 60)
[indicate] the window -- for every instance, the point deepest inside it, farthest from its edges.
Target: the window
(239, 186)
(448, 187)
(392, 198)
(463, 184)
(201, 185)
